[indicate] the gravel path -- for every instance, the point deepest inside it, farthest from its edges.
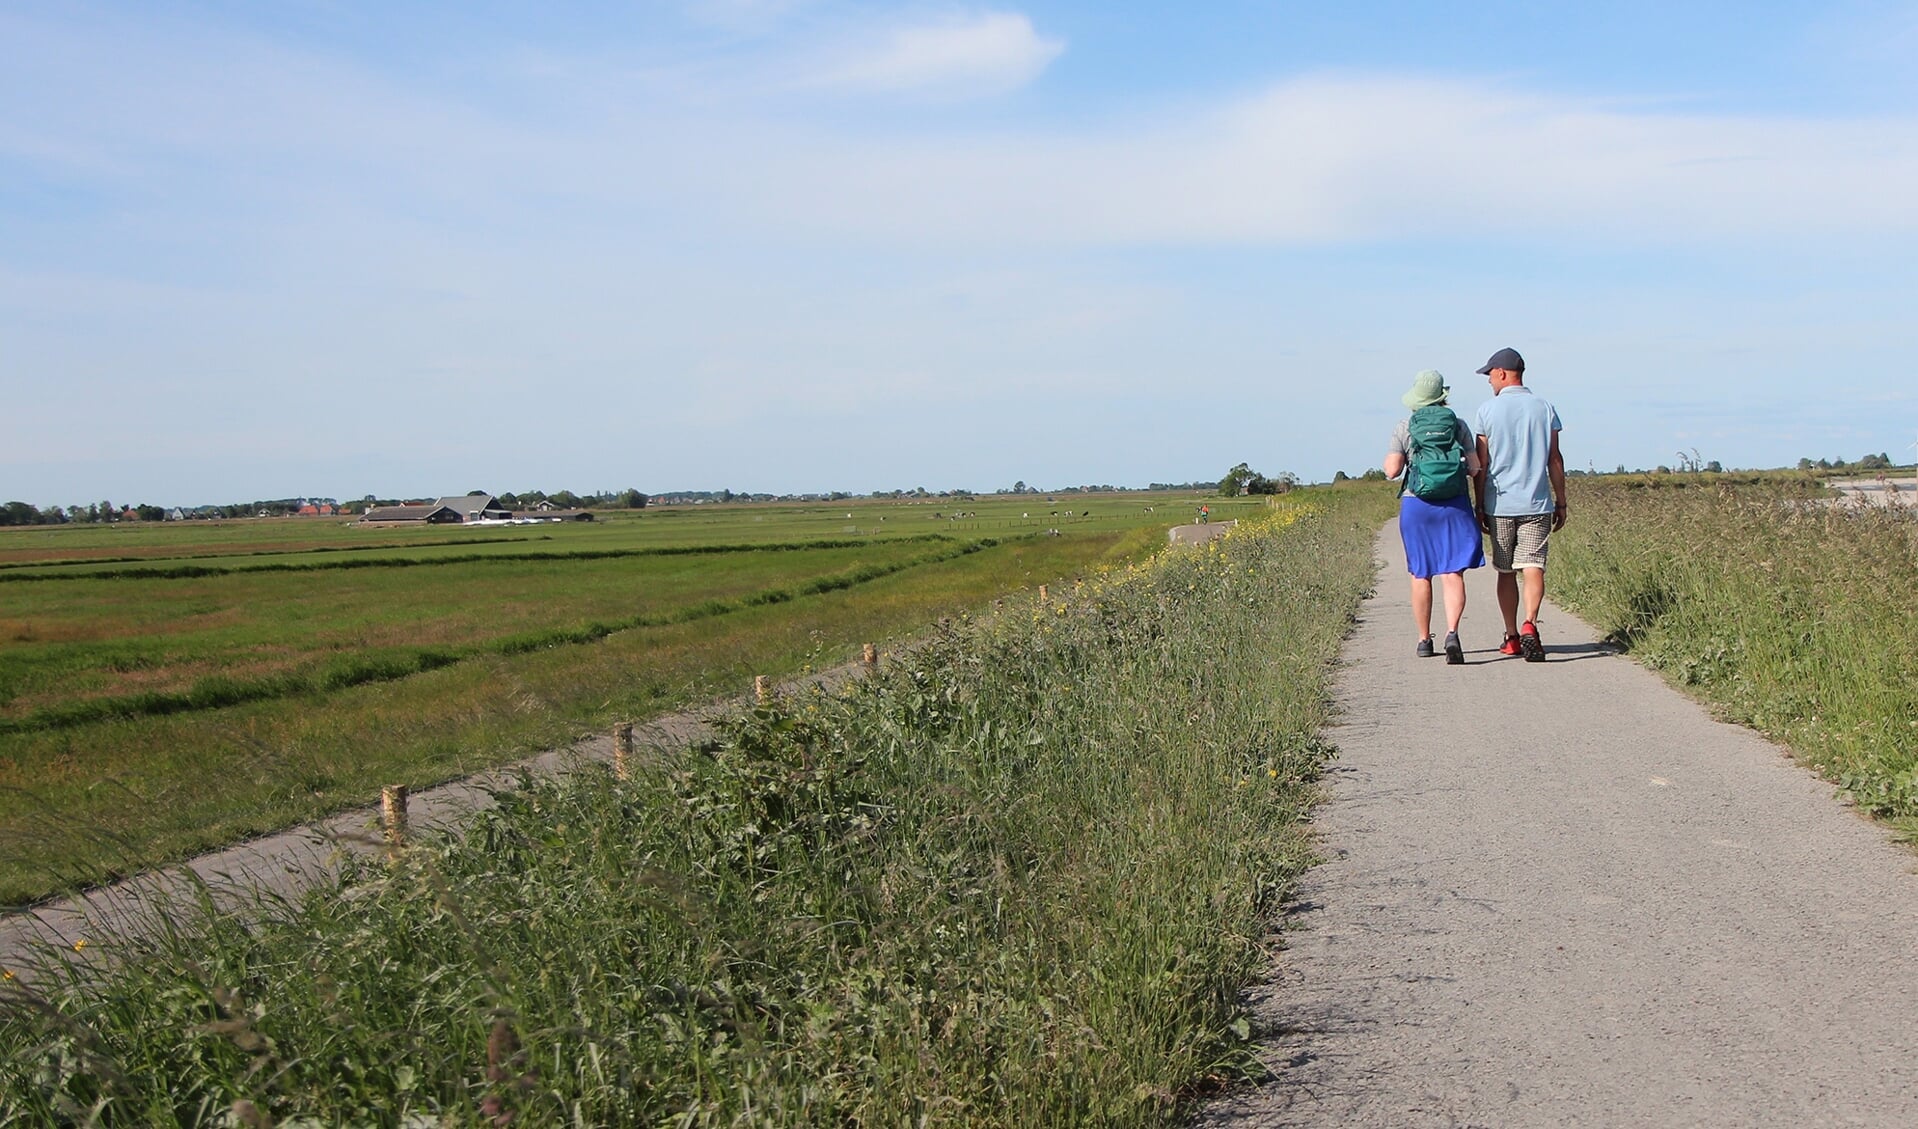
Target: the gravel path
(1562, 895)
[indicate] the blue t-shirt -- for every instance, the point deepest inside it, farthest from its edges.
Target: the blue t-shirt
(1518, 429)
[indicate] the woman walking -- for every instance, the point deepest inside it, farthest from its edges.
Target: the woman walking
(1435, 451)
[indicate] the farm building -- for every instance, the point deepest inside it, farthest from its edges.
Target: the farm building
(445, 511)
(430, 513)
(462, 509)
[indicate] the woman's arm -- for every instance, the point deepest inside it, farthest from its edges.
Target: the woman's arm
(1394, 464)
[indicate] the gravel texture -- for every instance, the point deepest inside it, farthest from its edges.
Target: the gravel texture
(1560, 894)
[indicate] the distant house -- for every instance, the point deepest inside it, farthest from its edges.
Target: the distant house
(310, 509)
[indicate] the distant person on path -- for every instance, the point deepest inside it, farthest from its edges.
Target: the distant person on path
(1434, 449)
(1521, 494)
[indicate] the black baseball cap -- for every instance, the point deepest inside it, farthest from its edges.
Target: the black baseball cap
(1506, 359)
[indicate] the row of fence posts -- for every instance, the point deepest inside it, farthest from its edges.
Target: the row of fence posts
(393, 797)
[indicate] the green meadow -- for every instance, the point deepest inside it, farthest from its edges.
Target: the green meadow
(302, 663)
(1018, 877)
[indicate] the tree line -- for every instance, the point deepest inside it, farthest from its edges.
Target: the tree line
(22, 513)
(1881, 461)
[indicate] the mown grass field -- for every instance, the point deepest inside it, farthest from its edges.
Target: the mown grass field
(1787, 612)
(1019, 878)
(258, 541)
(169, 688)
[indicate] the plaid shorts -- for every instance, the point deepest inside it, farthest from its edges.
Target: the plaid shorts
(1520, 542)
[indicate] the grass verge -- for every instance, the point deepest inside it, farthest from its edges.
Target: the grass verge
(1787, 613)
(1018, 879)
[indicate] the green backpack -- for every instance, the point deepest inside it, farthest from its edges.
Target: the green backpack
(1436, 469)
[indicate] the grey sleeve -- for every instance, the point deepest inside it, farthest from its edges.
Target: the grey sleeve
(1401, 439)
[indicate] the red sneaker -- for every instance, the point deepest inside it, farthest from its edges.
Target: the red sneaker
(1510, 646)
(1528, 642)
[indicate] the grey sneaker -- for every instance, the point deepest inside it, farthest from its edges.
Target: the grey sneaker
(1425, 648)
(1454, 654)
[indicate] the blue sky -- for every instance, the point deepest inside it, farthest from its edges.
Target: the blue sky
(334, 248)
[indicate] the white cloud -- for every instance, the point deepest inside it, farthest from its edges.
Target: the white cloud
(991, 52)
(1328, 159)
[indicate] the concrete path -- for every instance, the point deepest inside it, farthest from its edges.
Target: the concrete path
(1198, 533)
(1561, 895)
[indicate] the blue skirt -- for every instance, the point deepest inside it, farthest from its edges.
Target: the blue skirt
(1439, 536)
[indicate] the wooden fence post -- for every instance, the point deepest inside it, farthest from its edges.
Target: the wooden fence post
(393, 817)
(622, 750)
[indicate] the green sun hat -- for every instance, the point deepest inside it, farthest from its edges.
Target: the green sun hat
(1428, 388)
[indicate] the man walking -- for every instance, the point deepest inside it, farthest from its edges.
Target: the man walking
(1521, 494)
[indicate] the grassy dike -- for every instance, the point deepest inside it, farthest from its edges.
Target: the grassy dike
(1019, 878)
(1789, 614)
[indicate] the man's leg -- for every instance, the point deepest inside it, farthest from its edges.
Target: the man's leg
(1422, 605)
(1534, 592)
(1504, 542)
(1529, 558)
(1508, 601)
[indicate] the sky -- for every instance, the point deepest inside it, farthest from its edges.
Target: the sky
(327, 248)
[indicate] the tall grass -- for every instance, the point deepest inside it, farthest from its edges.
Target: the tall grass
(1017, 879)
(1790, 614)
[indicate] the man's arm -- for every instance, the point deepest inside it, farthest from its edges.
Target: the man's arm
(1394, 464)
(1555, 466)
(1478, 481)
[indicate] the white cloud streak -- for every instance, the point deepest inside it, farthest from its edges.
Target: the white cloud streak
(987, 53)
(1332, 159)
(1314, 160)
